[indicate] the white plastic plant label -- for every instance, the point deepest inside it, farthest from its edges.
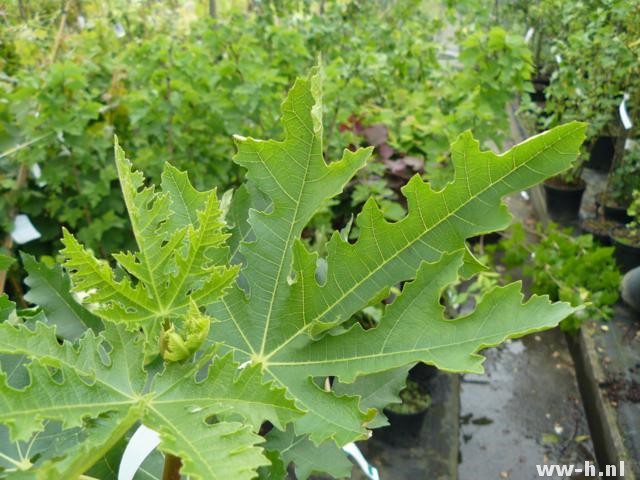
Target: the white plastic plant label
(23, 230)
(36, 171)
(529, 35)
(145, 440)
(624, 115)
(558, 58)
(354, 452)
(142, 443)
(119, 30)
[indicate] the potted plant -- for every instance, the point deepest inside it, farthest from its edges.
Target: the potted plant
(563, 194)
(600, 228)
(622, 181)
(566, 267)
(627, 238)
(594, 60)
(406, 418)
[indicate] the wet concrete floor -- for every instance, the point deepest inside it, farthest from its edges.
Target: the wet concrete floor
(524, 411)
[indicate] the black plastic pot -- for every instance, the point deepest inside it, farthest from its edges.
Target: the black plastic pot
(613, 213)
(403, 428)
(563, 202)
(627, 256)
(422, 373)
(602, 153)
(617, 214)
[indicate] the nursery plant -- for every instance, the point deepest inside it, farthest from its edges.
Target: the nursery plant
(177, 86)
(570, 268)
(207, 331)
(595, 67)
(627, 238)
(414, 399)
(623, 179)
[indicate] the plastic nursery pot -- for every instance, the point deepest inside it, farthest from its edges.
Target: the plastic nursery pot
(600, 228)
(627, 252)
(421, 373)
(403, 428)
(616, 214)
(406, 419)
(601, 154)
(563, 201)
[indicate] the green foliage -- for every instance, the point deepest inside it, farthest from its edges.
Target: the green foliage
(569, 268)
(6, 261)
(100, 385)
(623, 179)
(630, 233)
(414, 399)
(634, 207)
(283, 327)
(178, 85)
(50, 290)
(283, 448)
(493, 67)
(174, 273)
(596, 64)
(103, 378)
(589, 52)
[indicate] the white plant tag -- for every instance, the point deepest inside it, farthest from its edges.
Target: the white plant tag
(529, 35)
(36, 171)
(119, 30)
(23, 230)
(142, 443)
(354, 452)
(558, 58)
(624, 115)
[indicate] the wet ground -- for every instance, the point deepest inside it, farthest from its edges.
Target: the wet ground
(430, 456)
(525, 411)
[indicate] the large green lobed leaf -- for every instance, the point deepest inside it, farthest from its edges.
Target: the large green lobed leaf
(181, 402)
(277, 315)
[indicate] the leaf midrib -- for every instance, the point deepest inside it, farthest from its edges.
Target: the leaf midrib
(286, 247)
(419, 237)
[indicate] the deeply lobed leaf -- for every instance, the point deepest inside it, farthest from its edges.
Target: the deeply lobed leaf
(205, 411)
(180, 237)
(278, 314)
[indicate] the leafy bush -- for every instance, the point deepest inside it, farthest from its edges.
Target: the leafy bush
(623, 178)
(569, 268)
(274, 335)
(176, 88)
